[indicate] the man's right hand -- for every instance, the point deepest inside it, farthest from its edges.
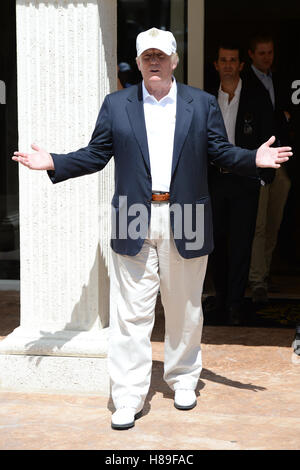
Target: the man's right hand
(39, 160)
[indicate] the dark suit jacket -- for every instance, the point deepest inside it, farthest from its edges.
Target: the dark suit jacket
(120, 131)
(278, 125)
(254, 123)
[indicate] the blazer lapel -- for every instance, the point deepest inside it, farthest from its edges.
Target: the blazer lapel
(135, 111)
(184, 115)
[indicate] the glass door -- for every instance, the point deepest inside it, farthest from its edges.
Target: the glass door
(236, 22)
(9, 188)
(135, 16)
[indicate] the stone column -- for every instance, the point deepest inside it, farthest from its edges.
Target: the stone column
(66, 65)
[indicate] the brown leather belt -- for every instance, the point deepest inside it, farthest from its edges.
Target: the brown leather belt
(160, 197)
(224, 171)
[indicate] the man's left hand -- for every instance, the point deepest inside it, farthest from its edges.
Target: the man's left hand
(272, 157)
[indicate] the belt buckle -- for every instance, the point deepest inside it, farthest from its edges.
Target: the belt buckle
(159, 196)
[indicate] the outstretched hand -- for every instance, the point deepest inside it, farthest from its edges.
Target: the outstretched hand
(39, 160)
(272, 157)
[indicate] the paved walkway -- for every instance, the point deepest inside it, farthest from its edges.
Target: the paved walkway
(248, 398)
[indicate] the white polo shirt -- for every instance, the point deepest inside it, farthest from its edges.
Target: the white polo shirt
(160, 118)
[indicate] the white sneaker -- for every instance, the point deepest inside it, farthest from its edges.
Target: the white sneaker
(124, 418)
(185, 399)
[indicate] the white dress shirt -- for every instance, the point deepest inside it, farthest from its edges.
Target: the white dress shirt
(229, 110)
(160, 118)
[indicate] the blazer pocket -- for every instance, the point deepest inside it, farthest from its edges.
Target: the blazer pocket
(203, 200)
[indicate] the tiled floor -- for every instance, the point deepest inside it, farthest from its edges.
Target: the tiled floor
(248, 398)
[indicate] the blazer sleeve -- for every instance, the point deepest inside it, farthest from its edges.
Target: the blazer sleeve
(91, 158)
(223, 154)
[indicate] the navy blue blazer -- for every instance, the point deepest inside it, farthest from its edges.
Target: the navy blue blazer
(120, 131)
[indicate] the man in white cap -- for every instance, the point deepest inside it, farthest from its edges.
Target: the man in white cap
(162, 135)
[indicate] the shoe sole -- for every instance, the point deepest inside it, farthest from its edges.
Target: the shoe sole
(187, 407)
(123, 427)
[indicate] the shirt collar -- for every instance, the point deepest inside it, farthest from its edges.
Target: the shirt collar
(237, 90)
(261, 74)
(171, 96)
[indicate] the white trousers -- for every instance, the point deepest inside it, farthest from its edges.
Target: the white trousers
(135, 281)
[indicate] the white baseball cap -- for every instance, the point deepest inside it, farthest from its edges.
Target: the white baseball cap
(156, 39)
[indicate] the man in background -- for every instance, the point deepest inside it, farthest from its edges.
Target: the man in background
(273, 196)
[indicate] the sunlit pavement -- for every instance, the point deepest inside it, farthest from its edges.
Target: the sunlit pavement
(248, 398)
